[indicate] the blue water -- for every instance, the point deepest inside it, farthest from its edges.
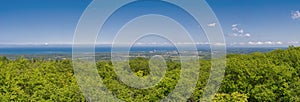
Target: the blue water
(35, 50)
(68, 50)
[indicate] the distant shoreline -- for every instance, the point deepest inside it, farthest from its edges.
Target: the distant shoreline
(103, 53)
(24, 50)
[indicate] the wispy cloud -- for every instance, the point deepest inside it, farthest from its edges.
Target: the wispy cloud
(212, 24)
(234, 25)
(293, 42)
(265, 43)
(295, 15)
(241, 35)
(238, 32)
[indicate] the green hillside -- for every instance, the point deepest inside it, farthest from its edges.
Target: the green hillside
(273, 76)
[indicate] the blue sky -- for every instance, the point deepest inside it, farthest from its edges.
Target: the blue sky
(39, 21)
(265, 20)
(244, 22)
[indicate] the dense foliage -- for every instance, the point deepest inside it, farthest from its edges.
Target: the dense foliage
(37, 80)
(273, 76)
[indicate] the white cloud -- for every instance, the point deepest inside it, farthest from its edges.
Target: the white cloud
(234, 25)
(212, 24)
(202, 43)
(293, 42)
(238, 32)
(259, 43)
(295, 15)
(279, 43)
(265, 43)
(241, 35)
(269, 42)
(247, 35)
(218, 44)
(253, 43)
(241, 31)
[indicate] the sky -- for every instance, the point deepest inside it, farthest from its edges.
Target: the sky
(244, 22)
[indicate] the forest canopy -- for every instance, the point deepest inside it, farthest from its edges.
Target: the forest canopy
(272, 76)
